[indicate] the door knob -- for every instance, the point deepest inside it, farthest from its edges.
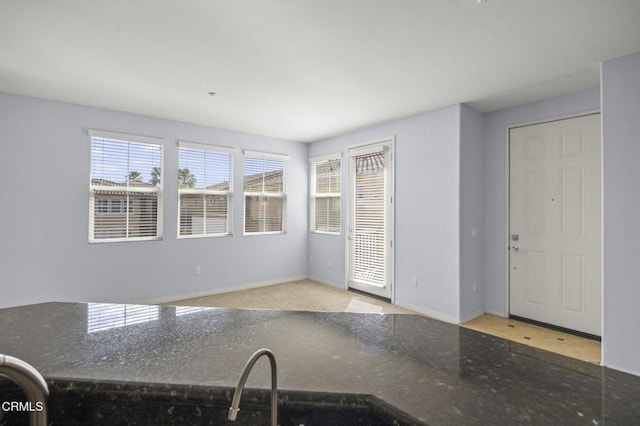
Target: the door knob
(515, 248)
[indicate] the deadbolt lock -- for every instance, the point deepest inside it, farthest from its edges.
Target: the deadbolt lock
(515, 237)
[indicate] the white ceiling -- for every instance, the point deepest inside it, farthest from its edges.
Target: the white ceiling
(304, 70)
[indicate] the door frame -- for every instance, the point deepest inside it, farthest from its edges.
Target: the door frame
(507, 241)
(390, 186)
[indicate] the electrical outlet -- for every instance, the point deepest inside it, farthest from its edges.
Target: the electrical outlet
(196, 271)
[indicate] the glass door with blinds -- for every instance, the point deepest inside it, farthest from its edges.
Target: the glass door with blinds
(370, 229)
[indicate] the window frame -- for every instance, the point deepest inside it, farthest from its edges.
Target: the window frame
(313, 195)
(127, 207)
(282, 195)
(205, 192)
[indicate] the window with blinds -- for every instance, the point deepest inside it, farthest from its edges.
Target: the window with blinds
(205, 190)
(125, 188)
(264, 192)
(325, 195)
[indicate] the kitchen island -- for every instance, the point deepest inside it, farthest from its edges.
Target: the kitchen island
(406, 369)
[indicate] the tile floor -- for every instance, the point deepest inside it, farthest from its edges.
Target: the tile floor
(308, 295)
(539, 337)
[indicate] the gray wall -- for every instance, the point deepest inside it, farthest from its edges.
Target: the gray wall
(44, 195)
(621, 131)
(495, 172)
(427, 211)
(471, 202)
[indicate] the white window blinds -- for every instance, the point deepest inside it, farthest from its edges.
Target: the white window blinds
(125, 188)
(368, 236)
(325, 195)
(264, 192)
(205, 189)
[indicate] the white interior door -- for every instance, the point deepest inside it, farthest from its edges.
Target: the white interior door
(370, 231)
(555, 232)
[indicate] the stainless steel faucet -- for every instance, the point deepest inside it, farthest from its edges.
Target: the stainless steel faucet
(233, 410)
(32, 384)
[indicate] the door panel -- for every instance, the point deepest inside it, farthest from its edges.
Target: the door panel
(555, 225)
(535, 276)
(572, 199)
(573, 283)
(535, 186)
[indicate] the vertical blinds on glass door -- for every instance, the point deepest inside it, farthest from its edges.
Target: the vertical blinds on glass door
(368, 221)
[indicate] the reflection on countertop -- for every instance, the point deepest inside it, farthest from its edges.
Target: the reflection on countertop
(436, 372)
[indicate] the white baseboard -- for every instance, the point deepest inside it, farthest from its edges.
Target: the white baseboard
(472, 316)
(623, 369)
(496, 314)
(429, 313)
(213, 291)
(323, 281)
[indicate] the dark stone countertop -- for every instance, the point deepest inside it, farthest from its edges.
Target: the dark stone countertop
(440, 374)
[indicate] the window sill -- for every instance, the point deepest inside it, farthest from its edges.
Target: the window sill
(123, 240)
(194, 237)
(337, 234)
(251, 234)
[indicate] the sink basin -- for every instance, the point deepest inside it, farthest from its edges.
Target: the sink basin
(77, 403)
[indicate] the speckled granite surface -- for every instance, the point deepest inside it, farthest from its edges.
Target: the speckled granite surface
(437, 373)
